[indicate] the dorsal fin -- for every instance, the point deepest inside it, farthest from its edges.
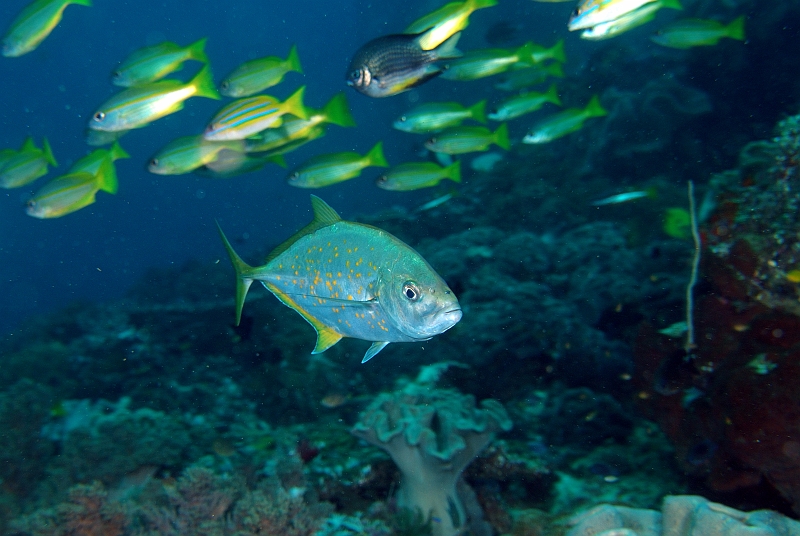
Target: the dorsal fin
(323, 213)
(324, 216)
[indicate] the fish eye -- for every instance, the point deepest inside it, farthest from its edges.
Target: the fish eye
(154, 162)
(403, 119)
(224, 85)
(432, 141)
(410, 291)
(116, 74)
(294, 176)
(99, 116)
(382, 179)
(355, 75)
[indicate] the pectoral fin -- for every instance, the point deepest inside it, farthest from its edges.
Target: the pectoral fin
(376, 347)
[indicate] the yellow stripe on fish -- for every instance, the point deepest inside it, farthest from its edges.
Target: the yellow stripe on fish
(137, 107)
(34, 24)
(245, 117)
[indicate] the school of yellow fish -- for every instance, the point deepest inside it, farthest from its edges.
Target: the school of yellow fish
(256, 129)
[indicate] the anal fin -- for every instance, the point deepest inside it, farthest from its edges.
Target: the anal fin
(326, 338)
(376, 347)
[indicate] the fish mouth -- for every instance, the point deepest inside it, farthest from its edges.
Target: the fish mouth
(453, 316)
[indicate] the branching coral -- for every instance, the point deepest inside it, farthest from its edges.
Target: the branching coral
(432, 435)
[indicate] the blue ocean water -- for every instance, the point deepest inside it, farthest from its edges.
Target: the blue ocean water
(561, 296)
(97, 252)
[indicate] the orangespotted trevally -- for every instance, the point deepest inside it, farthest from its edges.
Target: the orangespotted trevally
(352, 280)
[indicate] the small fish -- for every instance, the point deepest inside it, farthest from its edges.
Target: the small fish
(436, 202)
(97, 138)
(101, 162)
(540, 54)
(459, 140)
(257, 75)
(590, 13)
(153, 63)
(446, 21)
(245, 117)
(634, 19)
(34, 24)
(433, 116)
(334, 400)
(352, 280)
(229, 164)
(563, 123)
(67, 194)
(137, 107)
(273, 142)
(689, 33)
(626, 197)
(392, 64)
(525, 104)
(517, 79)
(327, 169)
(27, 165)
(553, 1)
(335, 112)
(477, 64)
(486, 162)
(188, 153)
(416, 175)
(5, 156)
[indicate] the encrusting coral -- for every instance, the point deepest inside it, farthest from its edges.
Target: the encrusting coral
(681, 515)
(432, 435)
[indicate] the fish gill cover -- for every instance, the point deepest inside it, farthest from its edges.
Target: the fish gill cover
(633, 362)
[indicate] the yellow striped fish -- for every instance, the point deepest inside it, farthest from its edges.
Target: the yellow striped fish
(27, 165)
(137, 107)
(101, 162)
(245, 117)
(336, 112)
(188, 153)
(153, 63)
(326, 169)
(445, 22)
(66, 194)
(259, 74)
(416, 175)
(34, 24)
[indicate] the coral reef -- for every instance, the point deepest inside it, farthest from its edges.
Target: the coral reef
(432, 435)
(685, 515)
(728, 406)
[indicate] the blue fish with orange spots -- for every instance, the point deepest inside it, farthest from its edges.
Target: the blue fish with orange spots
(352, 280)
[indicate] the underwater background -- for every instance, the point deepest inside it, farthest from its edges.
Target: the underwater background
(130, 403)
